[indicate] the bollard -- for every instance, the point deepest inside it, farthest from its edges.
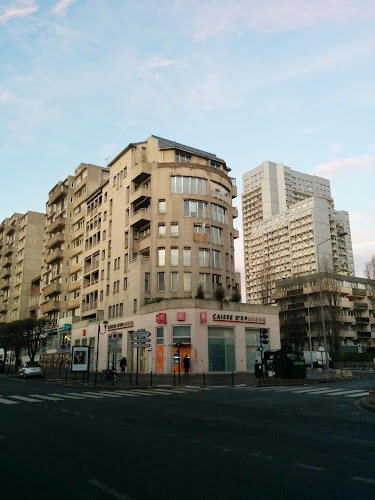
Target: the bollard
(204, 379)
(232, 380)
(174, 378)
(151, 379)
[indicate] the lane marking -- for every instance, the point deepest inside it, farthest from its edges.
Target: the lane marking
(8, 402)
(136, 393)
(260, 455)
(65, 396)
(357, 395)
(126, 393)
(109, 394)
(109, 490)
(49, 398)
(311, 467)
(24, 398)
(345, 392)
(86, 394)
(363, 479)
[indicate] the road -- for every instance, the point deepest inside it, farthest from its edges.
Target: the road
(218, 443)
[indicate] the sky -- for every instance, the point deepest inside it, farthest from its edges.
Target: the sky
(289, 81)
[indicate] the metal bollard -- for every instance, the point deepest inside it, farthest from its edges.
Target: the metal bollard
(232, 380)
(204, 379)
(151, 379)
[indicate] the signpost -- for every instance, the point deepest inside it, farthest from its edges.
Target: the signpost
(140, 340)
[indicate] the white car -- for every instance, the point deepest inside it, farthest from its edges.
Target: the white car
(30, 369)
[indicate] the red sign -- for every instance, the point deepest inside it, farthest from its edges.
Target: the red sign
(204, 317)
(161, 318)
(84, 333)
(180, 316)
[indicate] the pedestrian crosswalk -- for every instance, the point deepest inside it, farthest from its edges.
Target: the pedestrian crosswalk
(325, 391)
(89, 395)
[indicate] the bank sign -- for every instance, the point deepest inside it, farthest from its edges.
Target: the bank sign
(239, 318)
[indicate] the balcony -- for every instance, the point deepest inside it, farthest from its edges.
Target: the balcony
(55, 255)
(361, 320)
(16, 293)
(60, 221)
(359, 292)
(141, 193)
(91, 306)
(74, 303)
(360, 305)
(234, 212)
(75, 268)
(364, 335)
(55, 240)
(57, 193)
(4, 284)
(50, 306)
(8, 261)
(79, 185)
(234, 191)
(236, 233)
(11, 229)
(141, 217)
(75, 285)
(201, 237)
(51, 289)
(140, 172)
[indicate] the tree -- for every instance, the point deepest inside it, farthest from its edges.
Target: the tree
(35, 335)
(370, 269)
(219, 295)
(236, 297)
(200, 292)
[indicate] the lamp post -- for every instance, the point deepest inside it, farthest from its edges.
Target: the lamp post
(105, 323)
(321, 300)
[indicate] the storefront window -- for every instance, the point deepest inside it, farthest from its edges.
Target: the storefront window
(252, 344)
(221, 356)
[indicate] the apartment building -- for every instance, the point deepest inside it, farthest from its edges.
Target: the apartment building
(288, 220)
(21, 243)
(349, 310)
(160, 229)
(63, 244)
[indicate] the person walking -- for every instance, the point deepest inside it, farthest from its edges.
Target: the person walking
(123, 364)
(186, 362)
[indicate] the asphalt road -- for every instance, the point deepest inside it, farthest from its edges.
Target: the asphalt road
(223, 443)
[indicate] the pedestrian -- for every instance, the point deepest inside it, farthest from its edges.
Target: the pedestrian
(186, 364)
(123, 364)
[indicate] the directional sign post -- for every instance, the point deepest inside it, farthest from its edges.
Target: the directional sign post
(140, 345)
(140, 340)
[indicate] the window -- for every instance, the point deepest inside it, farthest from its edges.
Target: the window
(174, 229)
(147, 282)
(174, 256)
(204, 257)
(195, 209)
(161, 282)
(216, 259)
(188, 185)
(204, 280)
(174, 282)
(135, 305)
(218, 213)
(162, 207)
(143, 152)
(161, 256)
(216, 233)
(187, 256)
(187, 282)
(125, 283)
(161, 230)
(183, 157)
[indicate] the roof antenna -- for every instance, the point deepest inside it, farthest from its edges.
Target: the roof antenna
(106, 159)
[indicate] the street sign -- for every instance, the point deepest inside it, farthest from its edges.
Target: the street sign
(359, 346)
(114, 336)
(140, 345)
(141, 334)
(114, 342)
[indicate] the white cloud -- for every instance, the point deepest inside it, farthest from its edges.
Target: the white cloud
(5, 97)
(159, 62)
(20, 8)
(61, 7)
(338, 167)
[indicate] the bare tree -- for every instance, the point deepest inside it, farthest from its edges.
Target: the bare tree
(370, 269)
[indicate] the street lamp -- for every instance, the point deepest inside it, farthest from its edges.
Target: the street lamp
(321, 300)
(105, 323)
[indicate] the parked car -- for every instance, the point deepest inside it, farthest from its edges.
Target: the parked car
(30, 369)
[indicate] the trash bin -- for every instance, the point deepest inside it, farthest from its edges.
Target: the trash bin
(258, 370)
(297, 366)
(280, 364)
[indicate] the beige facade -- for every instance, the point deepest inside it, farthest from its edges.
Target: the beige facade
(21, 241)
(216, 338)
(286, 216)
(63, 244)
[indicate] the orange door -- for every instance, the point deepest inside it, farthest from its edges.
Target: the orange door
(185, 350)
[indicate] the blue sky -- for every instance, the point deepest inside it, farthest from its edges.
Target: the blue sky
(289, 81)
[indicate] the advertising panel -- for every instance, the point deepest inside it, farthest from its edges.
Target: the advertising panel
(80, 359)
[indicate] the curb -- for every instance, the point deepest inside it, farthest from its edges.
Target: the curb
(367, 405)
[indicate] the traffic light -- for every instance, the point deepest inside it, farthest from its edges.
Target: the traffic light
(263, 337)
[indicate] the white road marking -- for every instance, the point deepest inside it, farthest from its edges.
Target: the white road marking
(66, 396)
(335, 393)
(24, 398)
(8, 402)
(126, 393)
(86, 394)
(49, 398)
(106, 393)
(363, 479)
(311, 467)
(109, 490)
(357, 395)
(260, 455)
